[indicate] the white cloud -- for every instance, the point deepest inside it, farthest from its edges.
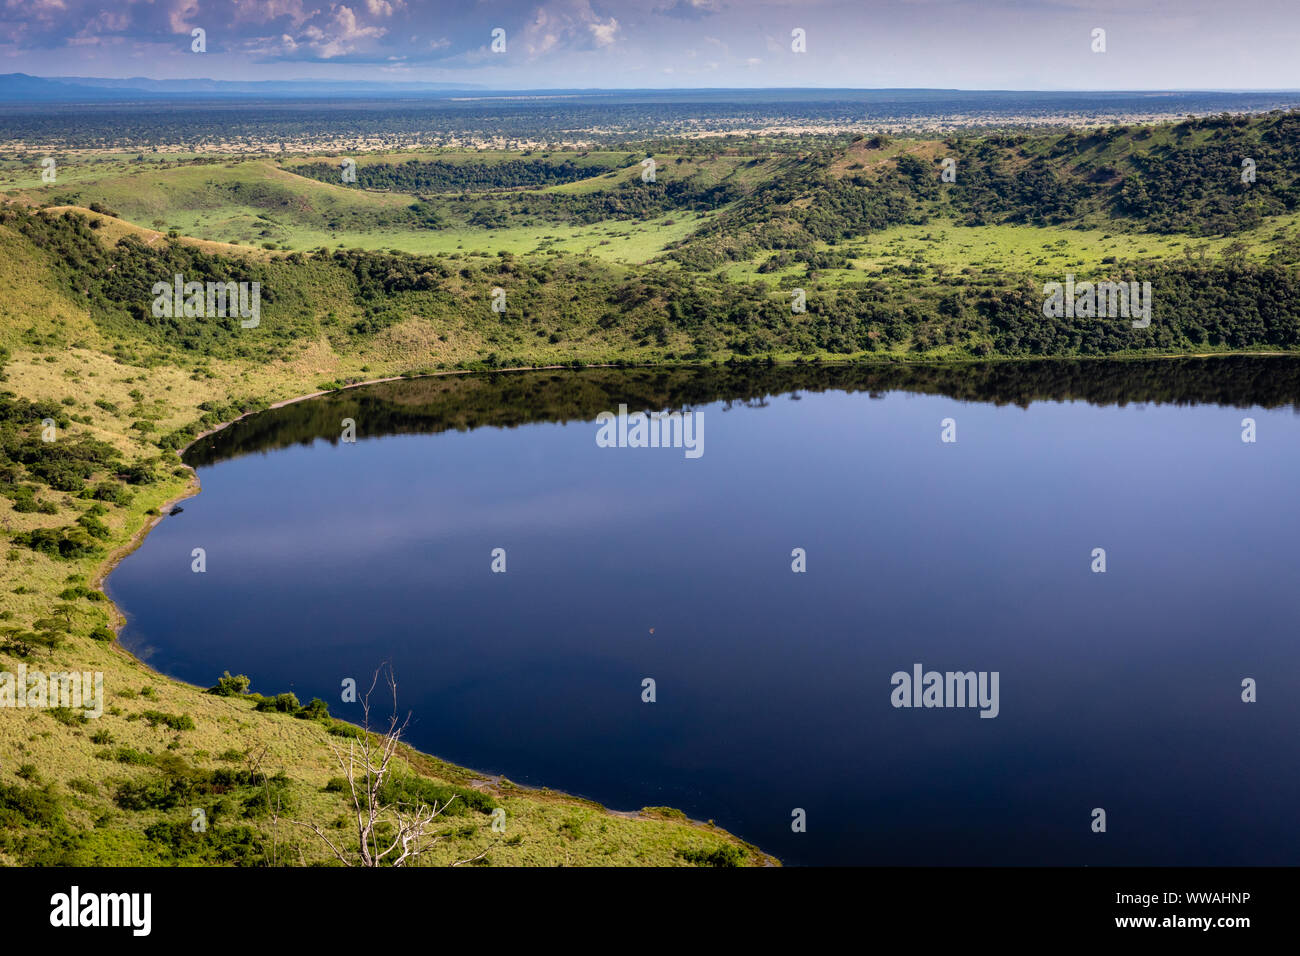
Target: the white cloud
(264, 11)
(567, 24)
(689, 9)
(178, 17)
(347, 30)
(603, 33)
(383, 8)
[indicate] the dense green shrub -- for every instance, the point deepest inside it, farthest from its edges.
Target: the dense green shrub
(173, 721)
(727, 855)
(230, 686)
(281, 703)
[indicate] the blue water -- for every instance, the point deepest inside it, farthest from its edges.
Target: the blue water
(1119, 690)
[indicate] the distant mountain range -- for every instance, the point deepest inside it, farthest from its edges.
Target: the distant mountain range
(22, 87)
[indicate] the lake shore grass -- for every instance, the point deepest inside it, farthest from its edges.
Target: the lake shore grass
(88, 764)
(84, 767)
(121, 382)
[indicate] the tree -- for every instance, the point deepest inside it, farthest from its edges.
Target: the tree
(230, 686)
(366, 764)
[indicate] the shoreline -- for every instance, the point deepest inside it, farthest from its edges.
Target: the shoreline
(381, 381)
(193, 487)
(890, 360)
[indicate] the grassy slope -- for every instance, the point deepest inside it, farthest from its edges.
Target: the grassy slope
(542, 827)
(292, 211)
(1049, 252)
(183, 198)
(253, 201)
(37, 321)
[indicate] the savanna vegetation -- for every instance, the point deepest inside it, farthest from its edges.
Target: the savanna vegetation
(589, 264)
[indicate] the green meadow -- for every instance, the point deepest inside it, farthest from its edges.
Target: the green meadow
(395, 274)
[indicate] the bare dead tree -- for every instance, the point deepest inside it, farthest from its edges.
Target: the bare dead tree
(254, 755)
(408, 829)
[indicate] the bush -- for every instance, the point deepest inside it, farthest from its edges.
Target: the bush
(139, 474)
(316, 710)
(411, 790)
(129, 755)
(281, 703)
(230, 686)
(68, 716)
(111, 491)
(272, 792)
(177, 841)
(726, 856)
(65, 543)
(94, 527)
(84, 785)
(28, 806)
(174, 721)
(159, 793)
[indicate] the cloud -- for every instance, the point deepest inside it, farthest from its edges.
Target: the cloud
(343, 37)
(178, 16)
(265, 11)
(603, 33)
(350, 29)
(1183, 43)
(107, 22)
(690, 9)
(567, 25)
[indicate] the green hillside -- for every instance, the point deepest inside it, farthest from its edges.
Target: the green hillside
(121, 789)
(398, 273)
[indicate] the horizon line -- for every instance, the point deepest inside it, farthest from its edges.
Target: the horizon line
(446, 86)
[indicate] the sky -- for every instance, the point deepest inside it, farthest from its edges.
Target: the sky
(611, 44)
